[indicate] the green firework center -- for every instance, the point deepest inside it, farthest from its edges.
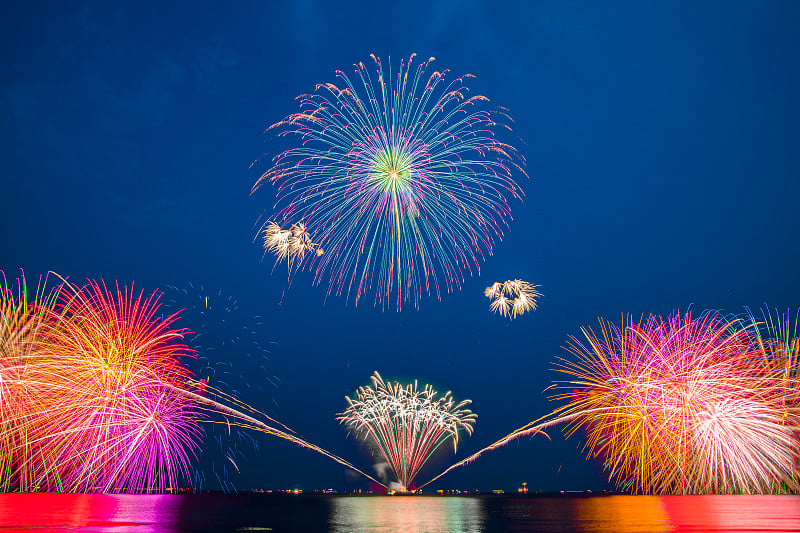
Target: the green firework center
(392, 170)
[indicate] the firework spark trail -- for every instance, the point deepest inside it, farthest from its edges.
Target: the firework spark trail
(778, 340)
(222, 330)
(21, 320)
(407, 425)
(401, 178)
(528, 429)
(258, 425)
(216, 400)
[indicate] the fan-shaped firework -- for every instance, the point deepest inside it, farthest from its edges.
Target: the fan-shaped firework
(406, 424)
(512, 298)
(401, 177)
(691, 406)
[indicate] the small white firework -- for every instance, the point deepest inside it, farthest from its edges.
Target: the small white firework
(512, 298)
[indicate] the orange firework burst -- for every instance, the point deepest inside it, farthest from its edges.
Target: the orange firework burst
(683, 405)
(21, 320)
(110, 419)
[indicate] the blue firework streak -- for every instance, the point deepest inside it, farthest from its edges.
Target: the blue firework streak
(223, 332)
(402, 179)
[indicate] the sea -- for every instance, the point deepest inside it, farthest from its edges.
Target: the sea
(380, 513)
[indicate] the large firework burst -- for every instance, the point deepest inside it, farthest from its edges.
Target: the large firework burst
(683, 405)
(401, 177)
(21, 324)
(406, 424)
(111, 418)
(95, 395)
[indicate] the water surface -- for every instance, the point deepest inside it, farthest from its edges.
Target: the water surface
(432, 514)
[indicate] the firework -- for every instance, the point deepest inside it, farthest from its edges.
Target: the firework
(494, 290)
(220, 326)
(110, 419)
(290, 244)
(96, 398)
(276, 240)
(400, 176)
(21, 319)
(683, 405)
(512, 298)
(406, 424)
(697, 409)
(501, 305)
(778, 341)
(778, 338)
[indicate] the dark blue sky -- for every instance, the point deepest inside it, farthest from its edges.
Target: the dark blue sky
(661, 139)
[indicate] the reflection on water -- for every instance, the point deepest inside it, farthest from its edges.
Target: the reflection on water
(622, 513)
(90, 512)
(407, 514)
(735, 513)
(459, 514)
(692, 513)
(628, 514)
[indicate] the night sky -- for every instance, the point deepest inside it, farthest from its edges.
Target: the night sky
(661, 140)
